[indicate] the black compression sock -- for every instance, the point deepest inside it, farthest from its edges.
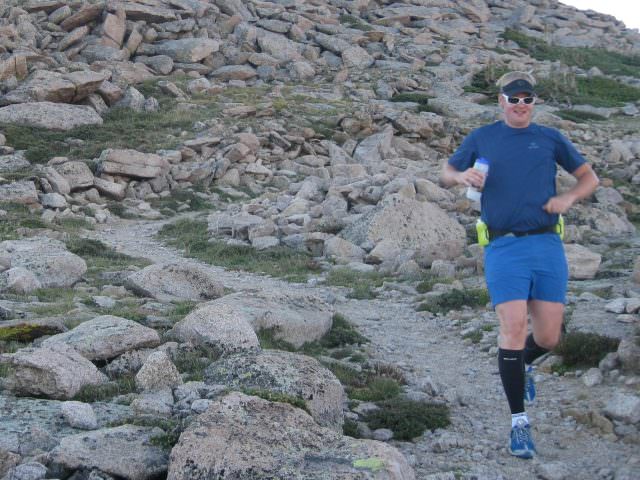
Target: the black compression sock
(532, 350)
(511, 367)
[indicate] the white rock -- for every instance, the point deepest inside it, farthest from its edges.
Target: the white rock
(79, 415)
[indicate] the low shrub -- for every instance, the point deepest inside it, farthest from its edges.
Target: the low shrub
(408, 419)
(582, 349)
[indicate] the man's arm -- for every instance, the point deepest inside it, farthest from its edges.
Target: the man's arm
(450, 177)
(587, 183)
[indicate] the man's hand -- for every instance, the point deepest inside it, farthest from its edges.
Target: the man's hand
(587, 183)
(469, 177)
(559, 203)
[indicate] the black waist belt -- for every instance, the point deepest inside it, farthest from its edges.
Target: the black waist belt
(493, 234)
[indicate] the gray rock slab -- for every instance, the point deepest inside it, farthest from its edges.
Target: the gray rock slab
(247, 437)
(19, 192)
(296, 318)
(624, 407)
(49, 115)
(124, 451)
(15, 161)
(131, 163)
(79, 415)
(188, 50)
(106, 337)
(45, 372)
(284, 372)
(175, 282)
(47, 259)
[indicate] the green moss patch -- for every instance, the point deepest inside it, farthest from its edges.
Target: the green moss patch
(25, 332)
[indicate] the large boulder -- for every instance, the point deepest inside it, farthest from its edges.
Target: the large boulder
(77, 174)
(296, 318)
(157, 373)
(284, 372)
(48, 259)
(240, 436)
(407, 224)
(131, 163)
(48, 86)
(176, 282)
(583, 263)
(187, 50)
(13, 162)
(124, 452)
(19, 192)
(57, 373)
(49, 115)
(106, 337)
(220, 327)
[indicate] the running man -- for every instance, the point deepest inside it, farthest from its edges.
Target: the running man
(525, 266)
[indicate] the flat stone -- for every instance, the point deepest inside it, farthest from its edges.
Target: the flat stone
(49, 115)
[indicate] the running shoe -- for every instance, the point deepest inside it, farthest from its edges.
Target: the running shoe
(521, 444)
(529, 385)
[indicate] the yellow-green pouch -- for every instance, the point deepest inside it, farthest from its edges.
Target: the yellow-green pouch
(560, 227)
(483, 233)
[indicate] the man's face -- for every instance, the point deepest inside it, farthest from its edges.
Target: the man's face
(516, 115)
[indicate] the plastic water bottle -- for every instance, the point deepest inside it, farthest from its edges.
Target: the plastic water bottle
(482, 164)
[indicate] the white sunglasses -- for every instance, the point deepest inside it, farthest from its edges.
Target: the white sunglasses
(516, 100)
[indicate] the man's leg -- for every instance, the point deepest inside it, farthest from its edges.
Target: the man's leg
(546, 321)
(513, 331)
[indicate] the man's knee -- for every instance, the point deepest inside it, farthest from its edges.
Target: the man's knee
(548, 340)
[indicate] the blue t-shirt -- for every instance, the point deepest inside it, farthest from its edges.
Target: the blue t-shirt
(522, 172)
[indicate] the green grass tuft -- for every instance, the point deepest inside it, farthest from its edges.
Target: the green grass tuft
(578, 116)
(269, 341)
(100, 393)
(354, 22)
(277, 397)
(580, 349)
(361, 283)
(375, 383)
(350, 428)
(475, 336)
(192, 237)
(455, 300)
(342, 333)
(408, 419)
(415, 97)
(194, 362)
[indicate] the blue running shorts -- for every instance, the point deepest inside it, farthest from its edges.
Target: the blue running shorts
(533, 267)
